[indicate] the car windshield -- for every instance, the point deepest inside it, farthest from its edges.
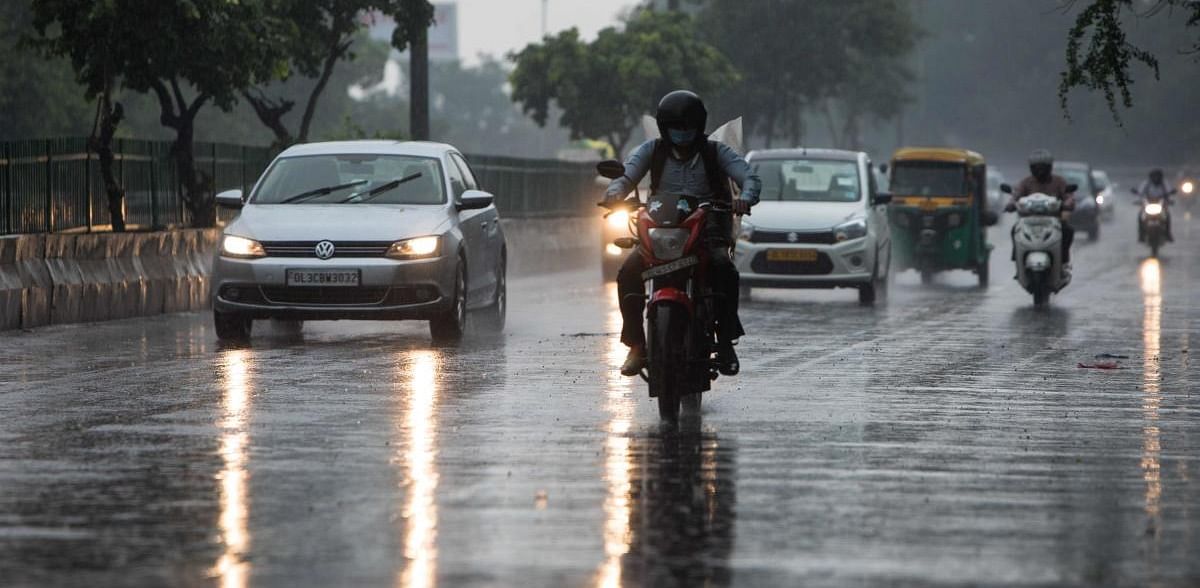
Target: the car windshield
(1079, 177)
(809, 180)
(350, 178)
(1100, 179)
(927, 178)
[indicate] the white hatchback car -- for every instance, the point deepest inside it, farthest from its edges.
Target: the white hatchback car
(376, 230)
(821, 223)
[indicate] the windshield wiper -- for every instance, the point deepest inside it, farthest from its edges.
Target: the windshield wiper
(381, 189)
(321, 192)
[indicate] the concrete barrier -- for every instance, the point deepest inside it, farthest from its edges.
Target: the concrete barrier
(72, 278)
(58, 278)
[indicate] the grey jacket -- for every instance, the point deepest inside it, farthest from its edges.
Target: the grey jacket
(686, 177)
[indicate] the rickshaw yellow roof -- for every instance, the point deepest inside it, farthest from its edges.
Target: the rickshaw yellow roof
(938, 154)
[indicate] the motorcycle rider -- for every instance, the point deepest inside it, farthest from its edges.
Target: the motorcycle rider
(1155, 189)
(1042, 181)
(685, 162)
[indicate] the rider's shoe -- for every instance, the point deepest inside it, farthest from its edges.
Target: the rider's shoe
(635, 362)
(727, 360)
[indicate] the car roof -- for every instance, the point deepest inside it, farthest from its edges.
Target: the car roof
(1072, 164)
(804, 152)
(415, 148)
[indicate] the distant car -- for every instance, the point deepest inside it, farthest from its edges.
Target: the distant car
(1086, 216)
(821, 223)
(996, 200)
(376, 230)
(1106, 195)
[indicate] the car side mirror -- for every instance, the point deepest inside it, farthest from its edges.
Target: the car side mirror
(1071, 188)
(610, 168)
(474, 200)
(881, 198)
(230, 199)
(1006, 188)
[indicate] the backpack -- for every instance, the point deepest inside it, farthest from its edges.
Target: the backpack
(712, 168)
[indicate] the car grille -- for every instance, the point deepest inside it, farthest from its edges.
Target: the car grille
(811, 237)
(823, 265)
(340, 248)
(322, 295)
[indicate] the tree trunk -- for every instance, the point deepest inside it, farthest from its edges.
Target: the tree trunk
(110, 115)
(271, 114)
(178, 114)
(419, 90)
(336, 51)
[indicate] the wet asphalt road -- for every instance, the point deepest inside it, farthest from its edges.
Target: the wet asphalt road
(946, 438)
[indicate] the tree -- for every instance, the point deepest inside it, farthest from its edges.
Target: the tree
(1105, 63)
(605, 86)
(316, 36)
(38, 97)
(197, 52)
(813, 56)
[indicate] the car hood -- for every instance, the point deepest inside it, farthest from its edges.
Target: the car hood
(337, 222)
(803, 216)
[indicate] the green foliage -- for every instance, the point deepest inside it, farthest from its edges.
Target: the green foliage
(1105, 63)
(817, 55)
(604, 87)
(38, 97)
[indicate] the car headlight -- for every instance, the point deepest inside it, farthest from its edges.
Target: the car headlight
(1187, 187)
(1154, 209)
(415, 248)
(241, 247)
(746, 233)
(618, 219)
(1100, 199)
(854, 229)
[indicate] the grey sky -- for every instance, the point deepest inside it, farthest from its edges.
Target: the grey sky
(496, 27)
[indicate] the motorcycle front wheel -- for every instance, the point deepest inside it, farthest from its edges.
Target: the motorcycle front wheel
(667, 361)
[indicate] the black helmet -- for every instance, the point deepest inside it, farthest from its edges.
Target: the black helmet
(680, 109)
(1041, 162)
(1156, 176)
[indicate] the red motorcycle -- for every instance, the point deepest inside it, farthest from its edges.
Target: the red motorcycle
(680, 309)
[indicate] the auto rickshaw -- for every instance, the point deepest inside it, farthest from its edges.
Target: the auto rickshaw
(939, 211)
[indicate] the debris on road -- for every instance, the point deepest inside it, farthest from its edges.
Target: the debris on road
(1110, 356)
(1102, 365)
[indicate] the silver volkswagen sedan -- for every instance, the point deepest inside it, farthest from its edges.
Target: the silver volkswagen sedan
(373, 230)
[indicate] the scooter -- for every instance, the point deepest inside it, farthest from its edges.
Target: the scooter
(680, 310)
(1037, 244)
(1152, 222)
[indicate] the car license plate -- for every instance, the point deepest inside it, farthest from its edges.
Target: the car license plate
(794, 255)
(304, 277)
(671, 267)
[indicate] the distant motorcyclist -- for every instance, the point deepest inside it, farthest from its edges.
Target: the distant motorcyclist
(1154, 189)
(1042, 181)
(684, 161)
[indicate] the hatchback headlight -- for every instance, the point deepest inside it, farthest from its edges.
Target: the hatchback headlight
(241, 247)
(855, 229)
(668, 244)
(415, 248)
(1154, 209)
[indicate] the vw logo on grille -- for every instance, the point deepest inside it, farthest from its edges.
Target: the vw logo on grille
(793, 237)
(324, 250)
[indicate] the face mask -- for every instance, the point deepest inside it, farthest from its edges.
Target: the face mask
(681, 137)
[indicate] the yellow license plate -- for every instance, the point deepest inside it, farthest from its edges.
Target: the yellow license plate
(798, 255)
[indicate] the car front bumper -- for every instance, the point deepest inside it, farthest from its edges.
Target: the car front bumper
(388, 289)
(842, 265)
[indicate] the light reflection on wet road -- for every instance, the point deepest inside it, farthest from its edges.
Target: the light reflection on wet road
(947, 438)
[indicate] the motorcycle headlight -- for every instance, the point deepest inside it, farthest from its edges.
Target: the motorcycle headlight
(747, 232)
(668, 244)
(415, 248)
(241, 247)
(1153, 209)
(855, 229)
(1187, 187)
(618, 219)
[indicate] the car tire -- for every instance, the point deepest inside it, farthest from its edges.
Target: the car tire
(449, 327)
(984, 272)
(745, 292)
(289, 327)
(1094, 233)
(496, 313)
(232, 327)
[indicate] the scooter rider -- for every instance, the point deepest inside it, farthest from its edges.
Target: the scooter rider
(1042, 181)
(685, 162)
(1155, 190)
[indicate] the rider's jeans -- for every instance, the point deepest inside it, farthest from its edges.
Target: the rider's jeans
(724, 279)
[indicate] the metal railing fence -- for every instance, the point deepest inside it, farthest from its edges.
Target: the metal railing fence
(55, 185)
